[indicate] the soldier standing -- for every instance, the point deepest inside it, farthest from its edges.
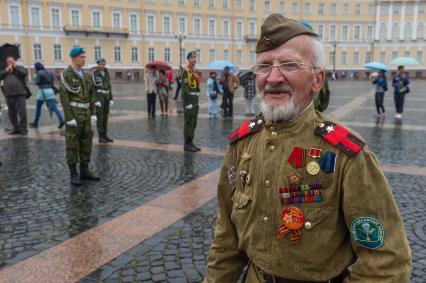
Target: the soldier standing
(298, 193)
(103, 99)
(76, 93)
(190, 93)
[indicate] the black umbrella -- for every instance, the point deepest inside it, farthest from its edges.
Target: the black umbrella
(8, 50)
(244, 76)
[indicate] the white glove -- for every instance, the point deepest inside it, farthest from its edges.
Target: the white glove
(111, 103)
(98, 104)
(189, 106)
(93, 119)
(72, 123)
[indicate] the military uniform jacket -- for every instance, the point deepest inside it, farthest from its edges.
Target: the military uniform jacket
(254, 169)
(74, 89)
(102, 85)
(189, 87)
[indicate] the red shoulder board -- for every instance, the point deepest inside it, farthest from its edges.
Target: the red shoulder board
(340, 137)
(247, 128)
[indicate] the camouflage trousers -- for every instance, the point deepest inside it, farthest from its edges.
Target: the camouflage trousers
(78, 142)
(102, 113)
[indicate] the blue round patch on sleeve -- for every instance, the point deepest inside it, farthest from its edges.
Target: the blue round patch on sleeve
(368, 232)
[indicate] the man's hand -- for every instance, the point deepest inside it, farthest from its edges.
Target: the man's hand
(93, 119)
(189, 106)
(98, 104)
(111, 103)
(72, 123)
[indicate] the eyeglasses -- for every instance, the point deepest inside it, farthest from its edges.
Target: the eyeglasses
(287, 67)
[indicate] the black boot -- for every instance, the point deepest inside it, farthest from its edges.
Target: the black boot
(75, 179)
(108, 138)
(86, 174)
(102, 138)
(196, 147)
(189, 146)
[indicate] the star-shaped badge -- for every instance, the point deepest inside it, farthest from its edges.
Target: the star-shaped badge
(329, 129)
(251, 125)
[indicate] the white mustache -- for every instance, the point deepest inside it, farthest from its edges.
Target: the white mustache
(278, 88)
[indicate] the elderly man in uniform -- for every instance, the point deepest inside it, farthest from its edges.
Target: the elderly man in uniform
(191, 80)
(103, 99)
(302, 198)
(76, 93)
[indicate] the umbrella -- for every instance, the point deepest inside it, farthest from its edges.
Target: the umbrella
(220, 65)
(160, 65)
(376, 66)
(402, 61)
(7, 50)
(244, 75)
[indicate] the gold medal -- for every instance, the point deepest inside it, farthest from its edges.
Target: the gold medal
(313, 168)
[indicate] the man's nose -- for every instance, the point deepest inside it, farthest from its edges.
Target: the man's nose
(275, 76)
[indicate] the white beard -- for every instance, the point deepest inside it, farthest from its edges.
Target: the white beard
(280, 113)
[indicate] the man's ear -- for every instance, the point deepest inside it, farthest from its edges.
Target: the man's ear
(319, 78)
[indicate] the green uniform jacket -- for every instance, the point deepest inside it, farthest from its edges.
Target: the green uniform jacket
(189, 84)
(102, 85)
(73, 88)
(250, 212)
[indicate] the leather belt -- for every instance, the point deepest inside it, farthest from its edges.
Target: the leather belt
(80, 105)
(103, 91)
(194, 93)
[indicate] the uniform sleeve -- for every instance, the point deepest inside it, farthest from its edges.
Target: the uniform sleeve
(226, 261)
(93, 97)
(371, 214)
(65, 102)
(3, 74)
(184, 88)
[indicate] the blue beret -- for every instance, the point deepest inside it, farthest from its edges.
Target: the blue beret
(306, 25)
(190, 54)
(77, 51)
(100, 60)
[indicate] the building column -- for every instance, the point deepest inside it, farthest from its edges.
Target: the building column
(416, 11)
(402, 21)
(377, 33)
(389, 30)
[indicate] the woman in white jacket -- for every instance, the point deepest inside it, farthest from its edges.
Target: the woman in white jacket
(213, 91)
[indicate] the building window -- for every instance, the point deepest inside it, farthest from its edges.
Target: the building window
(407, 31)
(331, 58)
(384, 9)
(369, 33)
(422, 7)
(267, 6)
(116, 20)
(37, 51)
(150, 24)
(368, 57)
(133, 22)
(358, 9)
(151, 54)
(356, 58)
(239, 4)
(395, 31)
(198, 55)
(75, 17)
(181, 2)
(332, 32)
(382, 34)
(135, 55)
(239, 29)
(320, 31)
(420, 30)
(371, 9)
(117, 54)
(294, 8)
(419, 56)
(321, 9)
(333, 9)
(182, 25)
(197, 26)
(166, 24)
(98, 52)
(225, 4)
(396, 8)
(197, 3)
(252, 28)
(212, 3)
(225, 28)
(343, 58)
(167, 54)
(252, 5)
(239, 57)
(357, 32)
(346, 9)
(212, 55)
(167, 1)
(55, 17)
(383, 56)
(394, 54)
(57, 52)
(345, 32)
(282, 7)
(35, 16)
(226, 55)
(307, 9)
(96, 19)
(407, 54)
(252, 57)
(15, 17)
(212, 25)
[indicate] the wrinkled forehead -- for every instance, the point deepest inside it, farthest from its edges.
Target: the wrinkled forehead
(297, 49)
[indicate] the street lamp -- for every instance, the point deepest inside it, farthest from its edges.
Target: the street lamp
(334, 56)
(180, 37)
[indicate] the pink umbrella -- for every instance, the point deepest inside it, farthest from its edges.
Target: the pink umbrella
(159, 65)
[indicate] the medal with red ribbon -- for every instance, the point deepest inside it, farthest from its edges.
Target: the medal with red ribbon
(297, 158)
(313, 167)
(293, 220)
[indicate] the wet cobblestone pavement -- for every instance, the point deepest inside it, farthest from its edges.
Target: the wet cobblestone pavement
(39, 209)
